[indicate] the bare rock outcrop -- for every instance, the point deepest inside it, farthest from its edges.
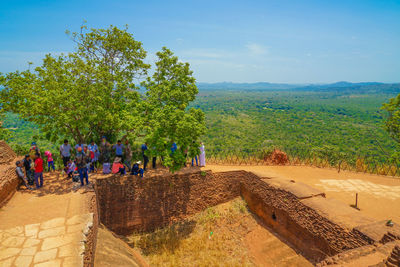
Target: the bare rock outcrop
(7, 155)
(8, 178)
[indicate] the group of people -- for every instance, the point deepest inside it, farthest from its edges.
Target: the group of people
(33, 165)
(87, 159)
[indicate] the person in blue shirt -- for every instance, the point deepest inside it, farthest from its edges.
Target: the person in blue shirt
(145, 158)
(174, 147)
(119, 150)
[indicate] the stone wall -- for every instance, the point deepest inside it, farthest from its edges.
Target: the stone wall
(8, 178)
(8, 183)
(130, 203)
(314, 235)
(7, 155)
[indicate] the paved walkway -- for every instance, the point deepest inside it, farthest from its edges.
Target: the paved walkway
(378, 196)
(46, 227)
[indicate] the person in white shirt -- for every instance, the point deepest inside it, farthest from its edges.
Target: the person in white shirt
(65, 152)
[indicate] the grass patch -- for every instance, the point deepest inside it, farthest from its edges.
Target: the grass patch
(210, 238)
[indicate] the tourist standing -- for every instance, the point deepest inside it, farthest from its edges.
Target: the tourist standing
(197, 162)
(65, 152)
(94, 155)
(81, 161)
(50, 161)
(104, 151)
(88, 159)
(119, 149)
(128, 155)
(202, 155)
(145, 157)
(174, 147)
(79, 145)
(154, 162)
(38, 171)
(28, 169)
(33, 150)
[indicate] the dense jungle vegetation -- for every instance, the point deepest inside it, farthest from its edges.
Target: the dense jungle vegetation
(345, 122)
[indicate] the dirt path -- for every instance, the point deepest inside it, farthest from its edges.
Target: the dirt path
(378, 196)
(44, 227)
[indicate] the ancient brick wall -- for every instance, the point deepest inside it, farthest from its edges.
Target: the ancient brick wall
(8, 182)
(7, 155)
(314, 235)
(8, 178)
(130, 203)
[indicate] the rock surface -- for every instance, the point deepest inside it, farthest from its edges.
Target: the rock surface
(56, 242)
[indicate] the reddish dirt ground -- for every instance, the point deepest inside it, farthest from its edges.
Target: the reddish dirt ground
(378, 196)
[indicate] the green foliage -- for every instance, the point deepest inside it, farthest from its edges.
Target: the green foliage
(85, 94)
(5, 134)
(337, 125)
(392, 123)
(92, 93)
(169, 92)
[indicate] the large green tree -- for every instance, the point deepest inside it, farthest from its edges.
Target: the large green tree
(95, 91)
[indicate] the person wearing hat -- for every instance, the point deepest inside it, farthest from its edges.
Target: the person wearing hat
(118, 167)
(33, 150)
(136, 169)
(81, 162)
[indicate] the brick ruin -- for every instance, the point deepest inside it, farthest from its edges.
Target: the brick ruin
(8, 178)
(128, 204)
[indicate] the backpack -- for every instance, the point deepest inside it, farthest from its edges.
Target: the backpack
(75, 177)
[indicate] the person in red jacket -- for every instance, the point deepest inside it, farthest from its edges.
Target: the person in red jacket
(38, 171)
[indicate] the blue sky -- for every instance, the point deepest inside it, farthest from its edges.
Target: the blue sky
(238, 41)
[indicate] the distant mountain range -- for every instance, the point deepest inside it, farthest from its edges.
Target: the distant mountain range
(367, 87)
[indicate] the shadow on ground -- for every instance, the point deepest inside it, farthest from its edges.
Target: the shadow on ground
(56, 183)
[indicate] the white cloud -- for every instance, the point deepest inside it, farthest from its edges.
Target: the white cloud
(257, 49)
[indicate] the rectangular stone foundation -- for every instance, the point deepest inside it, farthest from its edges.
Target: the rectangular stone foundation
(130, 203)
